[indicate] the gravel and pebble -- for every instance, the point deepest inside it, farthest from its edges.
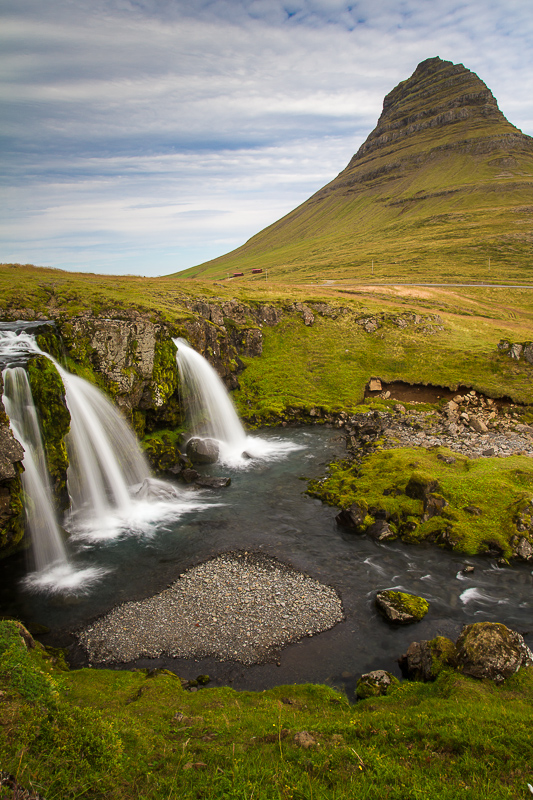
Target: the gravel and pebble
(238, 606)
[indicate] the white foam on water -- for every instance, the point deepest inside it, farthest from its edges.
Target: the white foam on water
(64, 578)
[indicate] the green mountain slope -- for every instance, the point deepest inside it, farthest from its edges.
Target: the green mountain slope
(442, 184)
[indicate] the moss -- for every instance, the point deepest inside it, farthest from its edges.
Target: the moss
(401, 482)
(13, 521)
(162, 449)
(49, 398)
(411, 604)
(443, 653)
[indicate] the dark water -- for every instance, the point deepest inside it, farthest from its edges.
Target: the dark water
(265, 509)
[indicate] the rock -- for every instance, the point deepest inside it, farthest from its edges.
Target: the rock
(473, 510)
(516, 351)
(528, 352)
(370, 325)
(189, 475)
(202, 451)
(522, 548)
(375, 683)
(419, 487)
(381, 531)
(451, 408)
(434, 506)
(478, 425)
(424, 660)
(468, 569)
(212, 483)
(352, 517)
(374, 385)
(400, 607)
(446, 459)
(304, 739)
(491, 650)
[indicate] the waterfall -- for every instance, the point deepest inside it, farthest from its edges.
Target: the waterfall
(212, 413)
(104, 457)
(53, 570)
(48, 547)
(209, 406)
(111, 489)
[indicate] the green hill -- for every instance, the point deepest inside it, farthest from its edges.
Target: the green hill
(442, 189)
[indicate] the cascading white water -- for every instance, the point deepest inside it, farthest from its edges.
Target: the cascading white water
(48, 547)
(104, 457)
(209, 406)
(110, 485)
(212, 413)
(53, 570)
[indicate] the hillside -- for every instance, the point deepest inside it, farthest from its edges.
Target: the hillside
(441, 190)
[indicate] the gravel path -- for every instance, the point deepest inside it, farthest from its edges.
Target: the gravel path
(238, 606)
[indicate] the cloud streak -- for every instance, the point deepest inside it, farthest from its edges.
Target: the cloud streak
(149, 136)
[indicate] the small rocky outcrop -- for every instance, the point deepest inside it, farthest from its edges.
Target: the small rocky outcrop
(202, 451)
(517, 350)
(401, 608)
(375, 683)
(491, 650)
(424, 660)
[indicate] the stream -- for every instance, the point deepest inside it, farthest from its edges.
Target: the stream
(265, 509)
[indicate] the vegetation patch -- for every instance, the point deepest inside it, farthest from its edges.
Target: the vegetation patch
(486, 501)
(118, 735)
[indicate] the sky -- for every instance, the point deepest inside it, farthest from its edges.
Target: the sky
(147, 136)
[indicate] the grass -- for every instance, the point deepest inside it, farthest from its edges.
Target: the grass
(121, 735)
(501, 490)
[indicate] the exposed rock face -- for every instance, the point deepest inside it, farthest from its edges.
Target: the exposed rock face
(438, 94)
(491, 650)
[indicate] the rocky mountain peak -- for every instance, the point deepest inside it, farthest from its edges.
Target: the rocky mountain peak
(439, 94)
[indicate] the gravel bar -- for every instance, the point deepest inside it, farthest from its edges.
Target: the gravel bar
(235, 607)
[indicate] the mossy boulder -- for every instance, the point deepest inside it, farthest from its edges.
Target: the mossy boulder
(491, 650)
(49, 398)
(400, 607)
(375, 683)
(11, 505)
(424, 660)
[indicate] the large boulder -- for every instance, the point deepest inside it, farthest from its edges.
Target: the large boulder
(375, 683)
(202, 451)
(491, 650)
(424, 660)
(400, 607)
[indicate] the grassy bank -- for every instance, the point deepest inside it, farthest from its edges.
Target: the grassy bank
(484, 498)
(103, 734)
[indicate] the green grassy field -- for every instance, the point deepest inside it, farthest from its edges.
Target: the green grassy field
(123, 735)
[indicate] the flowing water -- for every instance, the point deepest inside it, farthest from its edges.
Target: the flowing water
(265, 509)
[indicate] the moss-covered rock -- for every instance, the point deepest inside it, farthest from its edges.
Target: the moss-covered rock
(49, 398)
(491, 650)
(375, 683)
(400, 607)
(425, 660)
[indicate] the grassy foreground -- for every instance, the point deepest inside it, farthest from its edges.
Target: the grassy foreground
(103, 734)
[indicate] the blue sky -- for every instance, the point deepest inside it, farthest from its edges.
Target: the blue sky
(147, 136)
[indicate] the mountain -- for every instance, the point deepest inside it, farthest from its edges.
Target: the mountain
(442, 189)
